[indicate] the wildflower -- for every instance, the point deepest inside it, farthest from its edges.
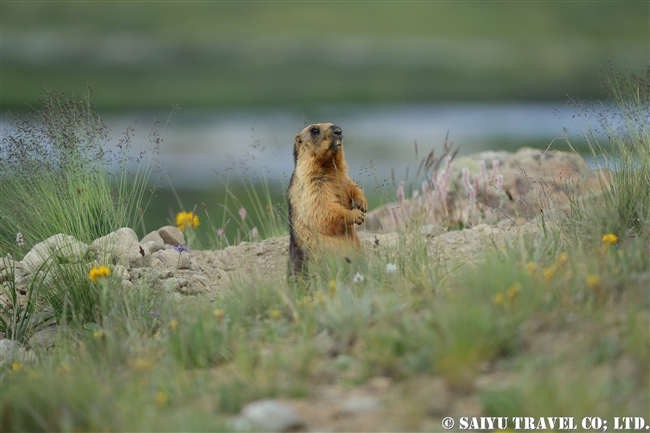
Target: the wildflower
(219, 314)
(16, 366)
(154, 314)
(100, 272)
(332, 286)
(531, 267)
(390, 268)
(20, 241)
(498, 298)
(242, 213)
(173, 324)
(358, 278)
(220, 232)
(593, 281)
(255, 233)
(275, 314)
(549, 273)
(483, 170)
(185, 219)
(513, 290)
(98, 334)
(495, 170)
(141, 363)
(160, 398)
(500, 182)
(610, 238)
(180, 248)
(563, 258)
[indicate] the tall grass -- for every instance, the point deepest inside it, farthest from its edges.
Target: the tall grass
(618, 135)
(59, 174)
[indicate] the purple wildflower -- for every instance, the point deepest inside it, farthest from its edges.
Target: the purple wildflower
(180, 248)
(154, 314)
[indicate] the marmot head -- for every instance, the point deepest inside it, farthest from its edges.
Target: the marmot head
(323, 141)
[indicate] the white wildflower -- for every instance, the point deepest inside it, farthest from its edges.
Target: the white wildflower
(390, 268)
(358, 278)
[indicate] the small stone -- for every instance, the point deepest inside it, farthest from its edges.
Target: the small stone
(172, 259)
(44, 339)
(171, 285)
(154, 246)
(152, 237)
(171, 235)
(9, 349)
(269, 416)
(126, 284)
(432, 230)
(359, 404)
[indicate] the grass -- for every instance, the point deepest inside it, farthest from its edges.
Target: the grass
(554, 325)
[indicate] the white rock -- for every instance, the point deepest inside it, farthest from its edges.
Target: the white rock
(171, 235)
(267, 416)
(152, 237)
(9, 349)
(172, 259)
(432, 230)
(121, 246)
(63, 247)
(154, 246)
(359, 404)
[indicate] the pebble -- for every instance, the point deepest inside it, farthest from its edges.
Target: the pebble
(267, 415)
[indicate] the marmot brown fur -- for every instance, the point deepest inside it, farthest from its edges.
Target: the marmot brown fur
(324, 203)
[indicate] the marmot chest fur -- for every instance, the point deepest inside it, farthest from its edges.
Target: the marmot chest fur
(324, 203)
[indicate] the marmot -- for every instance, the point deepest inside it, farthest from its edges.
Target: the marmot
(324, 203)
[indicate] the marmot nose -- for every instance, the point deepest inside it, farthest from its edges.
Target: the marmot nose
(336, 130)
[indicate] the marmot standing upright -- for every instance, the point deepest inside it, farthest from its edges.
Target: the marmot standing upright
(324, 203)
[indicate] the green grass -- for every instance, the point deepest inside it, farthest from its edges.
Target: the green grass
(561, 321)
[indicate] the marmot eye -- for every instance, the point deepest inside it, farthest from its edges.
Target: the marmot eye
(314, 130)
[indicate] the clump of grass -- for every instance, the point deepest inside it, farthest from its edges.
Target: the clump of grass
(59, 174)
(619, 142)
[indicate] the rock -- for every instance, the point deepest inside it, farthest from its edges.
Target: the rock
(358, 404)
(171, 285)
(126, 284)
(172, 259)
(9, 349)
(171, 235)
(432, 230)
(44, 339)
(268, 416)
(120, 246)
(154, 236)
(63, 247)
(154, 246)
(120, 272)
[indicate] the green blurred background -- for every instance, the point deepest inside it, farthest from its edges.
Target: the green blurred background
(240, 54)
(273, 66)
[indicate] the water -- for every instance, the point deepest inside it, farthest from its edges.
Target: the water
(200, 145)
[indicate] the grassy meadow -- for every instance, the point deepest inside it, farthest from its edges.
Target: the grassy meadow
(556, 324)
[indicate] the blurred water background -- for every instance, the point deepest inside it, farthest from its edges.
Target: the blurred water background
(248, 76)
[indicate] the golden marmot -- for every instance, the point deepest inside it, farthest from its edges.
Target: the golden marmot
(324, 203)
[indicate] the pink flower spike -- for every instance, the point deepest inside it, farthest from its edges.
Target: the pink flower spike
(254, 233)
(495, 170)
(499, 182)
(242, 213)
(481, 165)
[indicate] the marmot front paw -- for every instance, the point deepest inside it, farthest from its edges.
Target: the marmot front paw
(361, 204)
(358, 217)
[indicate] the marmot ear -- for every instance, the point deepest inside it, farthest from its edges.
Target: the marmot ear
(298, 139)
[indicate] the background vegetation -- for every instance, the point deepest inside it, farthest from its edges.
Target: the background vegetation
(243, 54)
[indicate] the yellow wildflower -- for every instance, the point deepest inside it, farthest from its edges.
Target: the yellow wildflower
(609, 238)
(99, 272)
(275, 314)
(173, 324)
(563, 258)
(219, 314)
(513, 290)
(141, 363)
(98, 334)
(549, 273)
(531, 267)
(498, 298)
(161, 398)
(16, 366)
(593, 281)
(332, 286)
(185, 219)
